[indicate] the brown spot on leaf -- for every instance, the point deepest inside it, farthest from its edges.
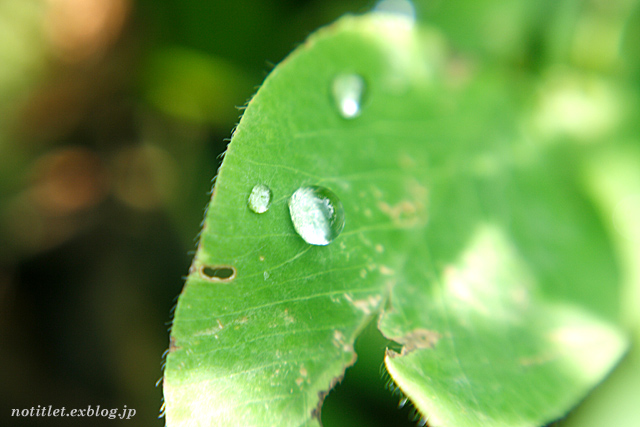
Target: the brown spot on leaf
(403, 214)
(417, 339)
(536, 360)
(172, 345)
(391, 354)
(386, 271)
(366, 305)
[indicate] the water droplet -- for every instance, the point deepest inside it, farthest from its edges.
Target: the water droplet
(348, 90)
(260, 199)
(400, 8)
(317, 214)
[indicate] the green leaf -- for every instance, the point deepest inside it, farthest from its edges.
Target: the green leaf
(471, 241)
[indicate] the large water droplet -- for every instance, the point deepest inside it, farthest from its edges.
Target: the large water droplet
(317, 214)
(259, 199)
(348, 90)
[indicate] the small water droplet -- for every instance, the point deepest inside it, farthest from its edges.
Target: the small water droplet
(348, 90)
(259, 199)
(317, 214)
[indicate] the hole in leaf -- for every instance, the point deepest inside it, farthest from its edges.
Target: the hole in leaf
(221, 273)
(368, 405)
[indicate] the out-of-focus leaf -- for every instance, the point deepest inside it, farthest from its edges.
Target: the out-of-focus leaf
(194, 86)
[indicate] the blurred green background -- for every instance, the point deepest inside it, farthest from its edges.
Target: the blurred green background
(113, 117)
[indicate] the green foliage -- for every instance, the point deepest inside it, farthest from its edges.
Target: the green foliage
(466, 232)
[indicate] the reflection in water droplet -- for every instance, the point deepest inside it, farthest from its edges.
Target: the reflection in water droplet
(259, 199)
(317, 214)
(347, 91)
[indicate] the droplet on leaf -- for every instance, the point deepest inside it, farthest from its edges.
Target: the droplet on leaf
(348, 90)
(403, 8)
(259, 199)
(317, 214)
